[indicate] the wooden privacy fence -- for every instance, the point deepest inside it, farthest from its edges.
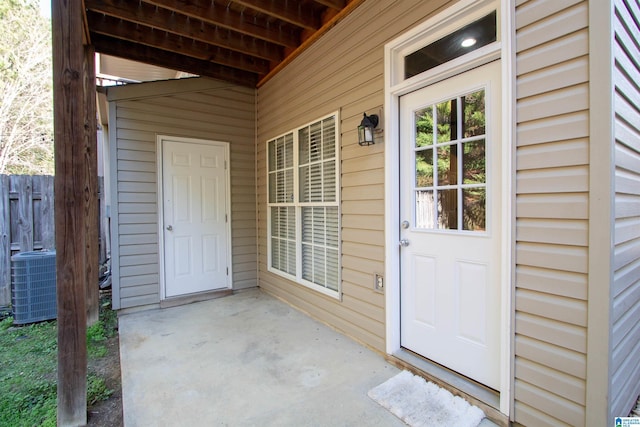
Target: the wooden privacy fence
(27, 222)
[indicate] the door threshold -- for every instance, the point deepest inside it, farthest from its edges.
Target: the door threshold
(191, 298)
(477, 394)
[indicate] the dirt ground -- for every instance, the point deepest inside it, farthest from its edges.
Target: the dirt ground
(108, 413)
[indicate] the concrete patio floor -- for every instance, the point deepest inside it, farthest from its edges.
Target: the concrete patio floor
(245, 360)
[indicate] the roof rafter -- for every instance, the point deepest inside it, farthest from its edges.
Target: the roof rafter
(123, 30)
(280, 10)
(333, 4)
(211, 13)
(161, 58)
(240, 41)
(165, 20)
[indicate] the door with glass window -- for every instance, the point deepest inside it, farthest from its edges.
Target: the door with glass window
(450, 181)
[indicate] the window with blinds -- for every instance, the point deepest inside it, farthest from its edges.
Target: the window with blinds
(303, 194)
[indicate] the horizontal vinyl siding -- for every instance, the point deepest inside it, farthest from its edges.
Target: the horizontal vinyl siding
(190, 108)
(552, 182)
(349, 78)
(625, 337)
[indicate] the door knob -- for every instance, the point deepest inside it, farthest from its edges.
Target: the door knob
(169, 227)
(404, 243)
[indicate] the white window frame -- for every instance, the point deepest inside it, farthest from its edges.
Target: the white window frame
(298, 206)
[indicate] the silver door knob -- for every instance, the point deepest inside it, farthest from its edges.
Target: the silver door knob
(404, 243)
(169, 227)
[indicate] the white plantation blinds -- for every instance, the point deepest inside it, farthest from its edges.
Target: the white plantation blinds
(317, 172)
(281, 170)
(283, 220)
(304, 215)
(317, 144)
(320, 246)
(283, 239)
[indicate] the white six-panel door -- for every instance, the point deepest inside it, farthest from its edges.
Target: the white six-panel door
(194, 188)
(449, 210)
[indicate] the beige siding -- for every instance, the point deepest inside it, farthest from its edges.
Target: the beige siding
(349, 78)
(625, 334)
(552, 182)
(196, 108)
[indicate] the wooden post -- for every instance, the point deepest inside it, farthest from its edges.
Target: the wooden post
(72, 198)
(91, 203)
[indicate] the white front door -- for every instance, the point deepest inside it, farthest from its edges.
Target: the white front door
(450, 181)
(195, 217)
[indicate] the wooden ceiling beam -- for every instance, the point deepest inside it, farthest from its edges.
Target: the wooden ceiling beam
(165, 20)
(353, 4)
(233, 40)
(128, 31)
(148, 55)
(209, 12)
(300, 17)
(333, 4)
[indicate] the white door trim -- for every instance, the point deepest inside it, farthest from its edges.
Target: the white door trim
(462, 12)
(160, 210)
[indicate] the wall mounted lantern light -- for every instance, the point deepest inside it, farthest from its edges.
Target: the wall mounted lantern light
(366, 129)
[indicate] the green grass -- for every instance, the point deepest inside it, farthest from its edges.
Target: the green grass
(28, 365)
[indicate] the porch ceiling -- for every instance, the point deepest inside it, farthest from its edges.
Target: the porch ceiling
(239, 41)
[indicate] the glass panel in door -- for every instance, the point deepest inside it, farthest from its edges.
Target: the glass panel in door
(450, 175)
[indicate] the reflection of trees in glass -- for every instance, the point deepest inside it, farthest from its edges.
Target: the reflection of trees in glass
(473, 162)
(447, 113)
(448, 209)
(474, 172)
(448, 164)
(472, 158)
(474, 114)
(424, 168)
(424, 138)
(474, 210)
(424, 127)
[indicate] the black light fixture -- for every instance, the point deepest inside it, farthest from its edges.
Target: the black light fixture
(365, 130)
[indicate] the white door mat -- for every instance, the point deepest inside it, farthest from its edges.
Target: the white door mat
(423, 404)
